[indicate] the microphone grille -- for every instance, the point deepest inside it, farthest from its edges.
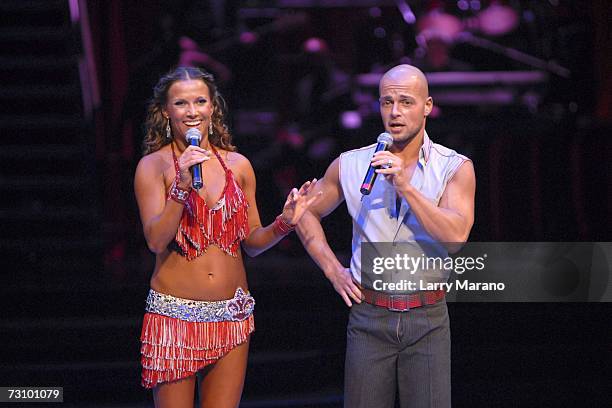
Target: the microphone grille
(193, 133)
(385, 138)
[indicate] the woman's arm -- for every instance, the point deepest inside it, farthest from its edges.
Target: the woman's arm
(160, 217)
(262, 238)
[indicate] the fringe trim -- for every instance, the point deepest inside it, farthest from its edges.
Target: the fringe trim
(173, 349)
(225, 226)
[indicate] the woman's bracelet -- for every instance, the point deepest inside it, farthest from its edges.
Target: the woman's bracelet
(178, 194)
(282, 227)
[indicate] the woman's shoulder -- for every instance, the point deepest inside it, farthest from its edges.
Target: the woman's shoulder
(240, 166)
(235, 160)
(155, 161)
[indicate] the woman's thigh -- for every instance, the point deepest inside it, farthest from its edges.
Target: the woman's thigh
(175, 394)
(221, 384)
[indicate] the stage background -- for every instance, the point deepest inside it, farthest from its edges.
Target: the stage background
(523, 88)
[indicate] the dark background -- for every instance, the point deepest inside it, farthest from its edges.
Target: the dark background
(76, 79)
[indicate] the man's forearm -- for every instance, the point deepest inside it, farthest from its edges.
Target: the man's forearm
(313, 238)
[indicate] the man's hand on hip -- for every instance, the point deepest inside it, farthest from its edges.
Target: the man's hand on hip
(343, 283)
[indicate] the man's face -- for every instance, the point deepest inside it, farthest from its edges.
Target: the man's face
(404, 105)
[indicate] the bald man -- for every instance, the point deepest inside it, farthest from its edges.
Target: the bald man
(396, 343)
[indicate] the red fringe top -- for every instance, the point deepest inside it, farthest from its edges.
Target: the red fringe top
(223, 225)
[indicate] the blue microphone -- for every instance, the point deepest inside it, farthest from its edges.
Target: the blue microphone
(384, 141)
(193, 137)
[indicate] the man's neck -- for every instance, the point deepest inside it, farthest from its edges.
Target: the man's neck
(409, 151)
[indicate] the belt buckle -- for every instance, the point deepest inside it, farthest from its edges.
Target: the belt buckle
(396, 309)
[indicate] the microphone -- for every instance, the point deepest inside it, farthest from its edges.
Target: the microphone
(384, 141)
(193, 137)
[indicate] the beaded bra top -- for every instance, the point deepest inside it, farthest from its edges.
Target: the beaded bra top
(223, 225)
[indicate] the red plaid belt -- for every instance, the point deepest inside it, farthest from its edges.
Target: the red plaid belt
(401, 303)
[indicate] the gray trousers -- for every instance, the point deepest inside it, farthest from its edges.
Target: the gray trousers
(407, 352)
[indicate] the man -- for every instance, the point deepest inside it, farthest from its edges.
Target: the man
(399, 342)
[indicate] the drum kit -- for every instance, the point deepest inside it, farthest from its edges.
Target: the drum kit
(495, 20)
(438, 29)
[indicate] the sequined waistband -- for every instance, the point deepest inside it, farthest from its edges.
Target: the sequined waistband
(239, 308)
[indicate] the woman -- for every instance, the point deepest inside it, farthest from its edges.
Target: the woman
(199, 312)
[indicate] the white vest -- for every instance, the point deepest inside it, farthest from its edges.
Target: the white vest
(375, 218)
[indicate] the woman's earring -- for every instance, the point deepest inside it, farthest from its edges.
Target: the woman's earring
(210, 129)
(168, 130)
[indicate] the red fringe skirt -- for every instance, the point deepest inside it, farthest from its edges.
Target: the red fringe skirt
(173, 349)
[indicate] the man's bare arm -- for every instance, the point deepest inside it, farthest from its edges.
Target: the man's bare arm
(313, 238)
(451, 220)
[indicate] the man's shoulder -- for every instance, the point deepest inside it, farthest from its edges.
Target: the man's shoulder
(441, 152)
(351, 162)
(365, 150)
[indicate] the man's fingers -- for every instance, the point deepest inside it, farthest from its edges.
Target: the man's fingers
(346, 299)
(383, 156)
(353, 290)
(349, 293)
(386, 163)
(356, 294)
(385, 171)
(388, 170)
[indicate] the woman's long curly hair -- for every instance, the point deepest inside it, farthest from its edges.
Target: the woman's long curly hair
(155, 124)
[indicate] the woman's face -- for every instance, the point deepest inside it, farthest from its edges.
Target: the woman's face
(188, 106)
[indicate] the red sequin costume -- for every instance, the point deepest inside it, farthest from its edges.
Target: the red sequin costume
(224, 225)
(176, 345)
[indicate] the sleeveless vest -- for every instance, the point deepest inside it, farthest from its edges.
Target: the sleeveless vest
(376, 218)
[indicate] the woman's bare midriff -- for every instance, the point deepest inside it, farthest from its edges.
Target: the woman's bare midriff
(214, 275)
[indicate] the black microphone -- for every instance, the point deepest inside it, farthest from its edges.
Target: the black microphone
(384, 141)
(193, 137)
